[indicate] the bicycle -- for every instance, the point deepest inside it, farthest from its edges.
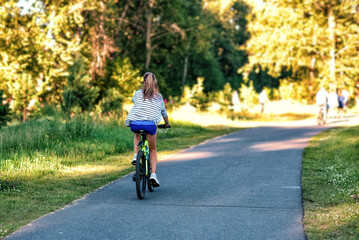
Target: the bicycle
(321, 115)
(143, 167)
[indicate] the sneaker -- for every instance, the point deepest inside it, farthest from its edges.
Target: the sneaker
(133, 162)
(134, 178)
(154, 181)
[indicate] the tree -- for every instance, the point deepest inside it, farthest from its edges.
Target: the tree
(178, 40)
(79, 94)
(186, 41)
(124, 77)
(313, 39)
(21, 46)
(231, 35)
(23, 94)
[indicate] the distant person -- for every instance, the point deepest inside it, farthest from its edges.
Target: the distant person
(235, 101)
(341, 104)
(346, 99)
(170, 99)
(321, 100)
(333, 103)
(263, 99)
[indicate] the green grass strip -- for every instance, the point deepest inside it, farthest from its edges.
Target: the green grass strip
(46, 164)
(330, 181)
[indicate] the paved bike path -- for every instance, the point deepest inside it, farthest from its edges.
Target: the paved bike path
(245, 185)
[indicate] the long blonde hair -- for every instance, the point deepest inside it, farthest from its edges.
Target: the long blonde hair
(150, 86)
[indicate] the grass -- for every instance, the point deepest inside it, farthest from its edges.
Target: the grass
(331, 185)
(266, 117)
(46, 164)
(275, 112)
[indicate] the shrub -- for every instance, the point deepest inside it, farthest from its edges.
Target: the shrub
(80, 94)
(125, 78)
(195, 96)
(224, 97)
(248, 95)
(24, 95)
(111, 103)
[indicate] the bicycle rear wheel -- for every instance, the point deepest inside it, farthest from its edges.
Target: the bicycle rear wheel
(141, 178)
(149, 185)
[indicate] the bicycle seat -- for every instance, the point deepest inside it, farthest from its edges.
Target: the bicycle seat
(141, 131)
(143, 127)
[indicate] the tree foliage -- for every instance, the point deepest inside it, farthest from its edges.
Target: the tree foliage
(316, 40)
(79, 94)
(118, 40)
(85, 55)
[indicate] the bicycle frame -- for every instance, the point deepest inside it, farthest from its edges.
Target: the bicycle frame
(145, 149)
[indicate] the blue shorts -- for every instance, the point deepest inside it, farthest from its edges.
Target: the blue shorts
(147, 126)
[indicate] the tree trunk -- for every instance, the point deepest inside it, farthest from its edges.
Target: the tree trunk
(185, 67)
(148, 34)
(312, 69)
(123, 15)
(331, 26)
(24, 115)
(185, 71)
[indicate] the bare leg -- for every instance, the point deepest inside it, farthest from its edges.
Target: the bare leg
(136, 140)
(325, 112)
(153, 151)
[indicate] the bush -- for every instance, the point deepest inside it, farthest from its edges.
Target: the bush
(111, 103)
(24, 95)
(248, 95)
(47, 110)
(224, 97)
(79, 95)
(195, 96)
(125, 78)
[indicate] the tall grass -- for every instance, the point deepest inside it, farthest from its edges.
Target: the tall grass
(39, 142)
(39, 146)
(47, 144)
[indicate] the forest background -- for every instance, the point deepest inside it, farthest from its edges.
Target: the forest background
(89, 56)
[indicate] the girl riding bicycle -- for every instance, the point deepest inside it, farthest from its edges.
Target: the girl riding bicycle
(145, 115)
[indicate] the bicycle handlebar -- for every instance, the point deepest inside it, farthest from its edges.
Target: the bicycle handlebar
(163, 126)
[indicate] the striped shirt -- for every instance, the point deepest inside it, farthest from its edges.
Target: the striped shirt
(146, 110)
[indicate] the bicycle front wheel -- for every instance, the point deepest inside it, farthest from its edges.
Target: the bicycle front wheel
(141, 178)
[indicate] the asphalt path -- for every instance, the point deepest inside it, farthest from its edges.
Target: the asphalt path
(244, 185)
